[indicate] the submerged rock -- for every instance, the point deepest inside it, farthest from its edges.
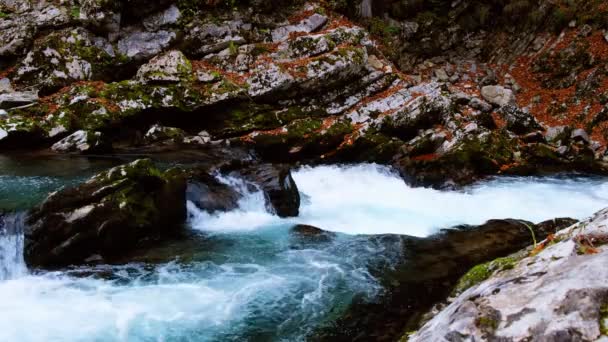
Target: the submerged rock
(554, 292)
(108, 215)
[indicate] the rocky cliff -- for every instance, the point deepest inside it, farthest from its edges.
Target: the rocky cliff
(302, 82)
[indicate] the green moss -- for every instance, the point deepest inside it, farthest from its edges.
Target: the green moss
(75, 12)
(487, 323)
(3, 15)
(604, 320)
(482, 272)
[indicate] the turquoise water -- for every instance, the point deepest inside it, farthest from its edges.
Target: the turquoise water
(242, 275)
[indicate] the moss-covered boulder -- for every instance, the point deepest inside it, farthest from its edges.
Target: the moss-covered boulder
(110, 214)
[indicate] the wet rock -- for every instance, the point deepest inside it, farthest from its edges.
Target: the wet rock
(557, 292)
(109, 215)
(140, 45)
(171, 66)
(429, 270)
(83, 142)
(306, 234)
(17, 99)
(209, 194)
(498, 95)
(280, 190)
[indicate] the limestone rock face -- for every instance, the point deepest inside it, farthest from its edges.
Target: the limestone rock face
(280, 190)
(555, 292)
(108, 215)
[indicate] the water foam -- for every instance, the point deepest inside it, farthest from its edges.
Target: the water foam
(371, 199)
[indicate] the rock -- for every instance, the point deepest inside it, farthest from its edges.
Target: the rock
(578, 135)
(209, 194)
(16, 36)
(158, 133)
(211, 37)
(518, 121)
(159, 20)
(110, 214)
(102, 16)
(306, 234)
(498, 95)
(310, 24)
(5, 86)
(280, 190)
(429, 269)
(557, 292)
(480, 104)
(171, 66)
(558, 134)
(441, 75)
(202, 138)
(17, 99)
(140, 45)
(63, 57)
(606, 36)
(83, 142)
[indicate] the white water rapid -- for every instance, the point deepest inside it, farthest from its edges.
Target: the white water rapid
(245, 277)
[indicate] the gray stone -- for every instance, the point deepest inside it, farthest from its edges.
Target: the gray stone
(310, 24)
(82, 142)
(480, 104)
(171, 66)
(167, 17)
(557, 134)
(17, 99)
(5, 86)
(498, 95)
(556, 294)
(579, 135)
(16, 35)
(141, 45)
(442, 75)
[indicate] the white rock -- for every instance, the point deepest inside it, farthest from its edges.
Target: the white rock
(498, 95)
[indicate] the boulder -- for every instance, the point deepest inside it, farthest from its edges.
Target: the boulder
(498, 95)
(558, 134)
(578, 135)
(555, 291)
(209, 194)
(429, 269)
(108, 215)
(85, 142)
(280, 190)
(171, 66)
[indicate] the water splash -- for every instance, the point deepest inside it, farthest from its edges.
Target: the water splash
(11, 246)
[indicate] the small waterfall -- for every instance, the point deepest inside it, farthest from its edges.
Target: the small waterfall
(12, 264)
(365, 8)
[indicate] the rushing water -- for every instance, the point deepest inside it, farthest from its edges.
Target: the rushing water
(245, 277)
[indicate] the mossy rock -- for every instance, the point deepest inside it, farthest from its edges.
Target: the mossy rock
(109, 215)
